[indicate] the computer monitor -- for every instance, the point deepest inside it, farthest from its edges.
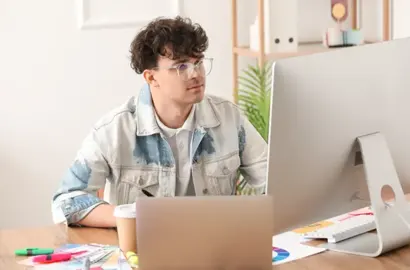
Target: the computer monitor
(330, 112)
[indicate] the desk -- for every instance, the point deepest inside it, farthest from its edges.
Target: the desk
(55, 236)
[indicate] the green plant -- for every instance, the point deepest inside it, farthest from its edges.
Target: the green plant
(254, 96)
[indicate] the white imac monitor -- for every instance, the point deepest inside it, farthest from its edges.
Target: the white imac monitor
(339, 135)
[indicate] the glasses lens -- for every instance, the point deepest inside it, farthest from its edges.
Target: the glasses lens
(185, 71)
(206, 66)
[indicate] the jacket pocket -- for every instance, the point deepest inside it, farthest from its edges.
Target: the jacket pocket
(223, 174)
(133, 181)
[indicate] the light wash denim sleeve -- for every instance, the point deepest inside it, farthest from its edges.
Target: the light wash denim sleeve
(253, 151)
(77, 193)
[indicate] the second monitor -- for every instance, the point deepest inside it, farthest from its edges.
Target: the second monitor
(339, 134)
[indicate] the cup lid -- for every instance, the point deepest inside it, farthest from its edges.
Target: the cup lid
(125, 211)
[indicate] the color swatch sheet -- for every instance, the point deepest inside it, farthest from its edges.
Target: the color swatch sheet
(289, 246)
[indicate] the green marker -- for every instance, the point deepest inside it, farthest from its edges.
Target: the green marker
(34, 251)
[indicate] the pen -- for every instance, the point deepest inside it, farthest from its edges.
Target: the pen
(355, 215)
(87, 264)
(34, 251)
(147, 193)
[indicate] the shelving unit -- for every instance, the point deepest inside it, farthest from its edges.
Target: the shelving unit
(303, 48)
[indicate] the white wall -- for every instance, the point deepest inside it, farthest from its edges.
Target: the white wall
(401, 20)
(56, 81)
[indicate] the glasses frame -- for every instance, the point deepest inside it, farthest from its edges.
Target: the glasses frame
(192, 67)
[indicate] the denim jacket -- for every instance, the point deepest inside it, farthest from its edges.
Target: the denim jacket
(126, 152)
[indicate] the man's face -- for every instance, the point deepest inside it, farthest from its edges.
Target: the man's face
(182, 80)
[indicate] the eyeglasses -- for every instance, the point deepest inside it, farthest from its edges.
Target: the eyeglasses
(186, 70)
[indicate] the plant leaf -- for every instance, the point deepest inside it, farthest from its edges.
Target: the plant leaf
(254, 99)
(254, 93)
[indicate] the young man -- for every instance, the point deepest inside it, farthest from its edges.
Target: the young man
(170, 140)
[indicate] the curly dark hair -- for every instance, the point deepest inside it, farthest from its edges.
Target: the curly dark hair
(174, 38)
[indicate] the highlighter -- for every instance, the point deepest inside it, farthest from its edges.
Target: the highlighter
(50, 258)
(132, 258)
(33, 251)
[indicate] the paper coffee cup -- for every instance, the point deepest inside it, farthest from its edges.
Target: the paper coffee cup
(126, 227)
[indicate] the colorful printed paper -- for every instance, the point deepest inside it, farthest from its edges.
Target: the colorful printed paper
(289, 247)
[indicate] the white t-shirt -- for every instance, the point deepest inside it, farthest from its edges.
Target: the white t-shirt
(180, 142)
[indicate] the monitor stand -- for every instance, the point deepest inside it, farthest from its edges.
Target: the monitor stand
(392, 220)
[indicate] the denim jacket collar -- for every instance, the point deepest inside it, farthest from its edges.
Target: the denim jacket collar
(205, 115)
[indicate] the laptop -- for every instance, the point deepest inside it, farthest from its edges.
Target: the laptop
(206, 232)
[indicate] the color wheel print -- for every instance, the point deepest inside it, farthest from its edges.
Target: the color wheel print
(279, 254)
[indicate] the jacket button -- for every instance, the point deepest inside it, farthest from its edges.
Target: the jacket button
(205, 191)
(225, 170)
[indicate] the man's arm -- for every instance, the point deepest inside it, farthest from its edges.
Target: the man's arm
(76, 201)
(253, 151)
(102, 216)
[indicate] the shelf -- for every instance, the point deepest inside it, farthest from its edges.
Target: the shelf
(303, 49)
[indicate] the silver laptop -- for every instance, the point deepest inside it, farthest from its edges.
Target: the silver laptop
(220, 232)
